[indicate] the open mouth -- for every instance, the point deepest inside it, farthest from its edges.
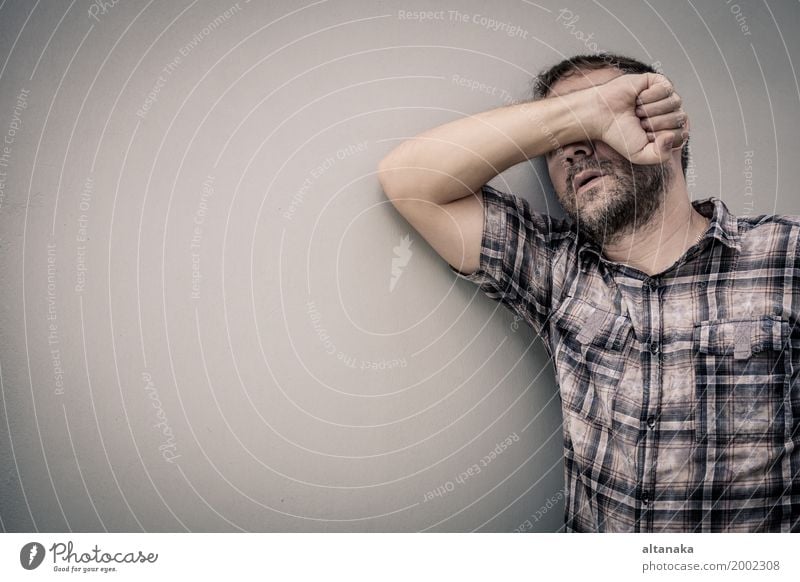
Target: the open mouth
(586, 179)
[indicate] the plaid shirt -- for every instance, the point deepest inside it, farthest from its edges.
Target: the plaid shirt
(680, 392)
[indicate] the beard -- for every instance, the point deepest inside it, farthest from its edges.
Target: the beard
(633, 194)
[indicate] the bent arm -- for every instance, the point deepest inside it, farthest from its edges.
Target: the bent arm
(434, 179)
(454, 160)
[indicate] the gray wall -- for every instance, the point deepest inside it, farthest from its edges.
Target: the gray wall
(198, 325)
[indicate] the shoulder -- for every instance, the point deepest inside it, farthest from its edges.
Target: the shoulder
(519, 217)
(769, 239)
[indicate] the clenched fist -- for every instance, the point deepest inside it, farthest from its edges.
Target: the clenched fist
(640, 116)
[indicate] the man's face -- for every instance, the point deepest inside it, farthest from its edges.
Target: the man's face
(619, 200)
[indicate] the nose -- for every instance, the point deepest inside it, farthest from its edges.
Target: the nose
(576, 151)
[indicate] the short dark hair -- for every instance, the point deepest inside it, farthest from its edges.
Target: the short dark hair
(544, 81)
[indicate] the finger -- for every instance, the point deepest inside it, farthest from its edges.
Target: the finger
(679, 137)
(660, 107)
(655, 152)
(674, 120)
(656, 92)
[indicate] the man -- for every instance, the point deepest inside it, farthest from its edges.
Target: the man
(672, 324)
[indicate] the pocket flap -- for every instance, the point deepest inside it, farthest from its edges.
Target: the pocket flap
(592, 325)
(741, 337)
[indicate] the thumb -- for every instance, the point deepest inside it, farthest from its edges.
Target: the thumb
(663, 143)
(663, 146)
(655, 152)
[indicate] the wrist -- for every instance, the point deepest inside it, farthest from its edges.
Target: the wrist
(579, 117)
(591, 113)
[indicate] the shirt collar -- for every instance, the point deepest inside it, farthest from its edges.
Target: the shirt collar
(723, 226)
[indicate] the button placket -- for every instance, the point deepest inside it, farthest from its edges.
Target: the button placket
(651, 304)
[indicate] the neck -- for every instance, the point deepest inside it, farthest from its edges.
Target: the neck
(670, 232)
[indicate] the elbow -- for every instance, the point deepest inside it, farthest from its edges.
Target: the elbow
(384, 169)
(389, 173)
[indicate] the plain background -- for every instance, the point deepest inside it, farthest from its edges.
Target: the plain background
(300, 385)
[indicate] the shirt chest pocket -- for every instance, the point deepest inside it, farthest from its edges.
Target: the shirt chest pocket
(742, 374)
(590, 354)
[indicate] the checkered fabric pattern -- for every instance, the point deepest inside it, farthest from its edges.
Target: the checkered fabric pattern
(680, 392)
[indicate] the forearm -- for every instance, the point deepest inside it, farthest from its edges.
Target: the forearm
(455, 159)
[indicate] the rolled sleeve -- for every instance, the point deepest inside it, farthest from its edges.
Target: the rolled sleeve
(516, 256)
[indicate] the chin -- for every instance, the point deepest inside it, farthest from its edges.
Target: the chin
(596, 197)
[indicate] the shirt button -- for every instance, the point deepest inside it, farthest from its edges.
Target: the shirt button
(651, 421)
(652, 284)
(645, 498)
(653, 348)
